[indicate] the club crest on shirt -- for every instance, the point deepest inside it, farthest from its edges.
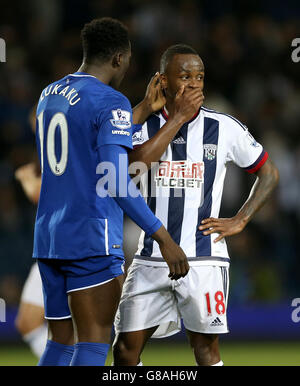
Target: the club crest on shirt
(210, 151)
(121, 119)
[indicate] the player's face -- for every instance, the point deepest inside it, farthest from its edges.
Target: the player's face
(124, 61)
(183, 69)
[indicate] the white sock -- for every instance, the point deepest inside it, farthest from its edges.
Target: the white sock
(37, 339)
(219, 364)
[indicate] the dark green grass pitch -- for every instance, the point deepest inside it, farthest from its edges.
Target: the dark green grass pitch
(179, 354)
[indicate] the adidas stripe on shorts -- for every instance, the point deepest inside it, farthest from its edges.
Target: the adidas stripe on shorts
(150, 298)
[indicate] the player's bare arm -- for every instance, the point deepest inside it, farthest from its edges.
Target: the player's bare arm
(266, 181)
(30, 180)
(186, 103)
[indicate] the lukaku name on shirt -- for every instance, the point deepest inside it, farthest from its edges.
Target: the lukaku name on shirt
(71, 95)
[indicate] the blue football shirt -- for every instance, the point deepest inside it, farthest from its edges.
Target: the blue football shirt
(75, 116)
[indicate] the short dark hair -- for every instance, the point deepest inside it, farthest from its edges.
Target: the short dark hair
(167, 56)
(102, 38)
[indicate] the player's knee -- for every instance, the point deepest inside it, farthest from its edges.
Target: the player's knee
(124, 354)
(61, 331)
(94, 334)
(63, 339)
(206, 349)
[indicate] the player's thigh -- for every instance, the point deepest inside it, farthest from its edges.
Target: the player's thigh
(202, 299)
(131, 343)
(147, 301)
(54, 289)
(57, 311)
(93, 310)
(94, 285)
(202, 341)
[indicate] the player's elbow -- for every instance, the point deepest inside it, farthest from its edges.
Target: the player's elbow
(135, 158)
(269, 173)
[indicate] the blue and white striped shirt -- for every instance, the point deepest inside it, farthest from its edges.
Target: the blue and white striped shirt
(186, 185)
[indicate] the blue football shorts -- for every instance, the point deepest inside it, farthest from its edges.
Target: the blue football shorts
(60, 277)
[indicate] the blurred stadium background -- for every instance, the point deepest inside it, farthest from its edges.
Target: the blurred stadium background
(246, 49)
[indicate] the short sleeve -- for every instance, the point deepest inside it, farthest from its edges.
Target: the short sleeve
(114, 122)
(244, 150)
(140, 135)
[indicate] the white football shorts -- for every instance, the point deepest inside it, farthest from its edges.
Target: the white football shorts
(33, 291)
(150, 298)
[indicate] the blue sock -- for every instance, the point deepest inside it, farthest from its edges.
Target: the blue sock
(56, 354)
(90, 354)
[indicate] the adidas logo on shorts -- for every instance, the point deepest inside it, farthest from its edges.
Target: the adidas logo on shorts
(216, 322)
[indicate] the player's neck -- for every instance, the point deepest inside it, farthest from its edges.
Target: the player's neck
(102, 73)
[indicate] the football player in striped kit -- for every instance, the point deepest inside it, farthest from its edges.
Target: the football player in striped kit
(183, 188)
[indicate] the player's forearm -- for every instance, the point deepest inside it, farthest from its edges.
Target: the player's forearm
(125, 192)
(139, 212)
(141, 112)
(267, 179)
(152, 150)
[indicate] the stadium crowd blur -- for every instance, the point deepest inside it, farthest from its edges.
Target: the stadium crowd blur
(246, 49)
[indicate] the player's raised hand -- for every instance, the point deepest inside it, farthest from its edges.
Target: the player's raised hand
(154, 94)
(223, 226)
(172, 253)
(187, 102)
(153, 101)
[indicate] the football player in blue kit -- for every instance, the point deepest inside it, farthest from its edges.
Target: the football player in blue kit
(84, 127)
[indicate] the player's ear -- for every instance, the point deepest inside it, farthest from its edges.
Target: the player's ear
(117, 59)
